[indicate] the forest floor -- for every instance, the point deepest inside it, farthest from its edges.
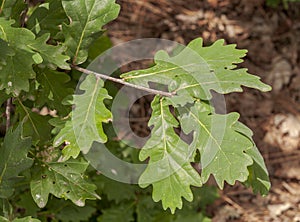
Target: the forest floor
(272, 38)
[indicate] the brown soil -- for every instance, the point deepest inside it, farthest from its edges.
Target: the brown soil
(272, 37)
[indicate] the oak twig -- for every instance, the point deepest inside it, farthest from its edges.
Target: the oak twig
(121, 81)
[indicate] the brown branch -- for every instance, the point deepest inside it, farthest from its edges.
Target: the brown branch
(7, 113)
(121, 81)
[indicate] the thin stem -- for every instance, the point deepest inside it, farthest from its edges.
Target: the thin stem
(7, 113)
(121, 81)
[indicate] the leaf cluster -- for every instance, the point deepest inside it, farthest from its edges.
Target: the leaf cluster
(43, 173)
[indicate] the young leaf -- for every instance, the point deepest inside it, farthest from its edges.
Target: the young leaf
(88, 116)
(63, 180)
(87, 17)
(13, 160)
(169, 169)
(221, 148)
(196, 70)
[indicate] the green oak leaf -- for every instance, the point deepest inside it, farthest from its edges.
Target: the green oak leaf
(66, 135)
(87, 117)
(63, 180)
(258, 174)
(71, 212)
(53, 90)
(121, 212)
(47, 18)
(22, 51)
(52, 55)
(169, 169)
(12, 9)
(222, 149)
(191, 216)
(26, 203)
(24, 219)
(196, 70)
(115, 190)
(34, 125)
(13, 160)
(87, 17)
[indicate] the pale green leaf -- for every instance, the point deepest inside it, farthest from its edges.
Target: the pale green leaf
(87, 17)
(196, 70)
(13, 160)
(63, 180)
(87, 118)
(221, 148)
(169, 169)
(67, 136)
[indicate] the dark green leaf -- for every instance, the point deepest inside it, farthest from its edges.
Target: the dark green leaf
(63, 180)
(35, 125)
(87, 17)
(47, 18)
(122, 212)
(22, 51)
(13, 160)
(53, 90)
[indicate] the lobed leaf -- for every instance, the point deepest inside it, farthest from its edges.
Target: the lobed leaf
(258, 174)
(53, 90)
(222, 149)
(87, 17)
(22, 51)
(12, 9)
(196, 70)
(34, 125)
(13, 160)
(87, 118)
(47, 18)
(169, 169)
(63, 180)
